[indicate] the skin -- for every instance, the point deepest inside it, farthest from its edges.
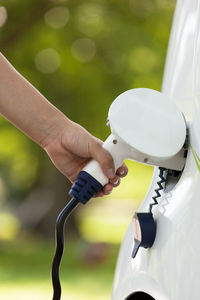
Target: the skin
(69, 146)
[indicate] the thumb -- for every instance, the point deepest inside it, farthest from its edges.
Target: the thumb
(103, 157)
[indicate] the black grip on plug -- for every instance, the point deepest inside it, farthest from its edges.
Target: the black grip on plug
(85, 187)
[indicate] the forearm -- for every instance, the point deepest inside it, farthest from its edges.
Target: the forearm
(68, 145)
(26, 108)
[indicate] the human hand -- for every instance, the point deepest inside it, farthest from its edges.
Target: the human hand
(73, 147)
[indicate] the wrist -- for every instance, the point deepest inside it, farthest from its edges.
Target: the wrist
(54, 131)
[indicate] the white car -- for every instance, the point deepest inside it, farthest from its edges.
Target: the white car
(170, 269)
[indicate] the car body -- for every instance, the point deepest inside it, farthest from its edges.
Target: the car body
(170, 270)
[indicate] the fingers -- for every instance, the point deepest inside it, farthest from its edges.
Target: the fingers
(122, 171)
(103, 157)
(113, 182)
(106, 162)
(107, 189)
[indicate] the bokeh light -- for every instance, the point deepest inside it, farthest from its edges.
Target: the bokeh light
(143, 60)
(84, 49)
(90, 18)
(57, 17)
(47, 61)
(9, 226)
(3, 15)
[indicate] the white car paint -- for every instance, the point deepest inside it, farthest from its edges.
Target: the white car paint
(170, 270)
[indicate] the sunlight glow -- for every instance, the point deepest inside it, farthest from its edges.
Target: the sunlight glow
(83, 50)
(47, 61)
(57, 17)
(90, 18)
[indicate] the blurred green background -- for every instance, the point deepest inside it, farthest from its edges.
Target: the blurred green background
(80, 55)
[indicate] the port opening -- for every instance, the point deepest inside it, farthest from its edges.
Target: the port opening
(174, 176)
(139, 296)
(172, 179)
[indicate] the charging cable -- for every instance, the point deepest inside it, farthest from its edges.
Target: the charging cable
(84, 188)
(60, 224)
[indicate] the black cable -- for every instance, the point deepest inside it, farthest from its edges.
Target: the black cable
(60, 223)
(160, 188)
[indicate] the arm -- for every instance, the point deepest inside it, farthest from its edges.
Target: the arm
(68, 145)
(26, 108)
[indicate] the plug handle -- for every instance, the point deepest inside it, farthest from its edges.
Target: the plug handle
(117, 149)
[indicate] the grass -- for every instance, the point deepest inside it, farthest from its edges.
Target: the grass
(25, 272)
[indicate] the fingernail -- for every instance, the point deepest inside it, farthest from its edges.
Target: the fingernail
(107, 192)
(110, 173)
(116, 182)
(122, 172)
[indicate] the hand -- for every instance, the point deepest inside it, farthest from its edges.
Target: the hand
(73, 147)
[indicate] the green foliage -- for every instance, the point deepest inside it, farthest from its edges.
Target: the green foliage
(80, 55)
(25, 266)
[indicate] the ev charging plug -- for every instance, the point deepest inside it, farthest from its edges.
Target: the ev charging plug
(146, 127)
